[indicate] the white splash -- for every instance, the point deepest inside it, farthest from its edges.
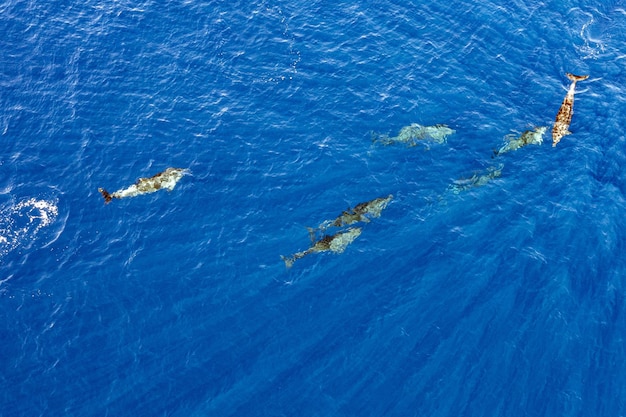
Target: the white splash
(593, 48)
(21, 223)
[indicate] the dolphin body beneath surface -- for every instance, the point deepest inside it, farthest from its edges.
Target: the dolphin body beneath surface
(476, 180)
(163, 180)
(564, 116)
(529, 137)
(336, 243)
(362, 212)
(414, 132)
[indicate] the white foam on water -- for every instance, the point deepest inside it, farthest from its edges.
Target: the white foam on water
(21, 223)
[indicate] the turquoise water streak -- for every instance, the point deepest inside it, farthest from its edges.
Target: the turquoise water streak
(489, 285)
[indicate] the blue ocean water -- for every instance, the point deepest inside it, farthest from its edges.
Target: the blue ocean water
(505, 299)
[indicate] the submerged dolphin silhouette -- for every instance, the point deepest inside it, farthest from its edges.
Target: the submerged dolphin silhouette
(336, 243)
(163, 180)
(564, 116)
(414, 132)
(529, 137)
(362, 212)
(476, 180)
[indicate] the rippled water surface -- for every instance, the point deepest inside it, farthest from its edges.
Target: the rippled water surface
(488, 285)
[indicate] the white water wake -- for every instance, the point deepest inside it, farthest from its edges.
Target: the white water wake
(21, 223)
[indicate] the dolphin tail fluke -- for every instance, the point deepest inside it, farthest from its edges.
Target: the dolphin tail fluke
(288, 260)
(576, 77)
(106, 195)
(291, 259)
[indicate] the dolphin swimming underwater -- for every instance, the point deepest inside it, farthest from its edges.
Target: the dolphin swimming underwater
(476, 180)
(362, 212)
(415, 132)
(529, 137)
(336, 243)
(163, 180)
(564, 116)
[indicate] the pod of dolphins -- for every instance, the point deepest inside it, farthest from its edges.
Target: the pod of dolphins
(361, 213)
(364, 212)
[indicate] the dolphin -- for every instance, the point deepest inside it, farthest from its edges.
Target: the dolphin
(362, 212)
(476, 180)
(163, 180)
(529, 137)
(564, 116)
(336, 243)
(414, 132)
